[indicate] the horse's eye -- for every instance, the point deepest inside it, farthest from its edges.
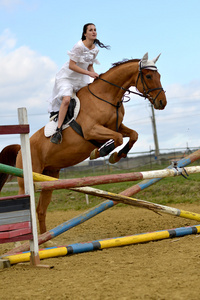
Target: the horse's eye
(148, 76)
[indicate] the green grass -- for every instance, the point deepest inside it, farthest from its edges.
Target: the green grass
(166, 191)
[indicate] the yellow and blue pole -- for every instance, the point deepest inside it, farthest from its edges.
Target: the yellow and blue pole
(106, 243)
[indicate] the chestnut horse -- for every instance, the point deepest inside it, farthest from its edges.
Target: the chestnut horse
(100, 117)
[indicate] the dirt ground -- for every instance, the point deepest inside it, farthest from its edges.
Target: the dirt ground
(166, 269)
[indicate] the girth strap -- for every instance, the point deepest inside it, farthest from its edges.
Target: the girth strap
(74, 125)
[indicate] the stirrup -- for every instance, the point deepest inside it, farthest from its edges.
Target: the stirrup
(57, 137)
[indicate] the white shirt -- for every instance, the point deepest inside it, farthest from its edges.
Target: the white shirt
(68, 81)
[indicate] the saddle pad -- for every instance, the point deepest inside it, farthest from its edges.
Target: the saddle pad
(50, 127)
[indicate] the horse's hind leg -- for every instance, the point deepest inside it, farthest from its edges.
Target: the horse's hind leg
(126, 132)
(8, 156)
(44, 200)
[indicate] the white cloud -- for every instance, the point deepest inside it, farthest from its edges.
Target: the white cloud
(7, 41)
(26, 81)
(189, 91)
(26, 76)
(176, 125)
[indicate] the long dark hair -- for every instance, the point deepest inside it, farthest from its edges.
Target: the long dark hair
(96, 41)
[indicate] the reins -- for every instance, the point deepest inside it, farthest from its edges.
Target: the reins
(122, 88)
(119, 103)
(145, 93)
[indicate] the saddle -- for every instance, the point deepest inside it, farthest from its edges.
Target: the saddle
(70, 120)
(72, 113)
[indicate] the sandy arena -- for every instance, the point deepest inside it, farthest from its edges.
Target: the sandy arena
(167, 269)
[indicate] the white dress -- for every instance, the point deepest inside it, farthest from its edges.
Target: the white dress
(68, 81)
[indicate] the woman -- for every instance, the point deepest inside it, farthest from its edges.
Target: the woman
(74, 75)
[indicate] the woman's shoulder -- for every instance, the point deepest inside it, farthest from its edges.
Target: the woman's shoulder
(77, 48)
(79, 44)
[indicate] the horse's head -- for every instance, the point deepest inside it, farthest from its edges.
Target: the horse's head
(148, 82)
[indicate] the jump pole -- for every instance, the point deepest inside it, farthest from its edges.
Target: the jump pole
(101, 207)
(19, 173)
(106, 243)
(146, 183)
(43, 182)
(113, 178)
(138, 203)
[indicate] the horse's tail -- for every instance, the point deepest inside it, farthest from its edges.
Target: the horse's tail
(8, 156)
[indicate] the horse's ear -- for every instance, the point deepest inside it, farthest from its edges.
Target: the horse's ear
(145, 58)
(155, 59)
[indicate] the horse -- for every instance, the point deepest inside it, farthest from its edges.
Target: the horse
(100, 119)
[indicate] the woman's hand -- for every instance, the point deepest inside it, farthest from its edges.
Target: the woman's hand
(90, 71)
(93, 74)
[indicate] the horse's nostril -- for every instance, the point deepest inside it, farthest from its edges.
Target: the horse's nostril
(161, 104)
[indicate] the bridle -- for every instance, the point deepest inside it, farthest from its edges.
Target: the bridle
(145, 94)
(146, 90)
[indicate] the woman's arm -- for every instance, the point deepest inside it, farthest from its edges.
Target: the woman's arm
(91, 68)
(73, 66)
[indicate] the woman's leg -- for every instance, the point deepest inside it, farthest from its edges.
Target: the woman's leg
(63, 110)
(57, 137)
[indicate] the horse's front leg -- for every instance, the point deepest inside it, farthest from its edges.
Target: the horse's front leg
(133, 137)
(101, 133)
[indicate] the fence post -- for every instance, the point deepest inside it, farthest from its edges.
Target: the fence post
(28, 184)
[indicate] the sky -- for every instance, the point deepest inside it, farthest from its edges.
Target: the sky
(35, 36)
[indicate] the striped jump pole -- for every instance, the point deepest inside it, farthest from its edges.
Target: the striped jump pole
(19, 173)
(44, 182)
(106, 243)
(101, 207)
(113, 178)
(146, 183)
(138, 203)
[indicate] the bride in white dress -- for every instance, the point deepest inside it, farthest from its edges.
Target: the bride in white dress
(74, 75)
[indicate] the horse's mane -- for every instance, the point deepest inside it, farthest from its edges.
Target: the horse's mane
(124, 61)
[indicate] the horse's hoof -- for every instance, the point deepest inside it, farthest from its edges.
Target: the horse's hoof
(114, 158)
(94, 154)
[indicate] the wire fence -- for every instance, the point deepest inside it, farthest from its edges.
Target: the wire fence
(133, 161)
